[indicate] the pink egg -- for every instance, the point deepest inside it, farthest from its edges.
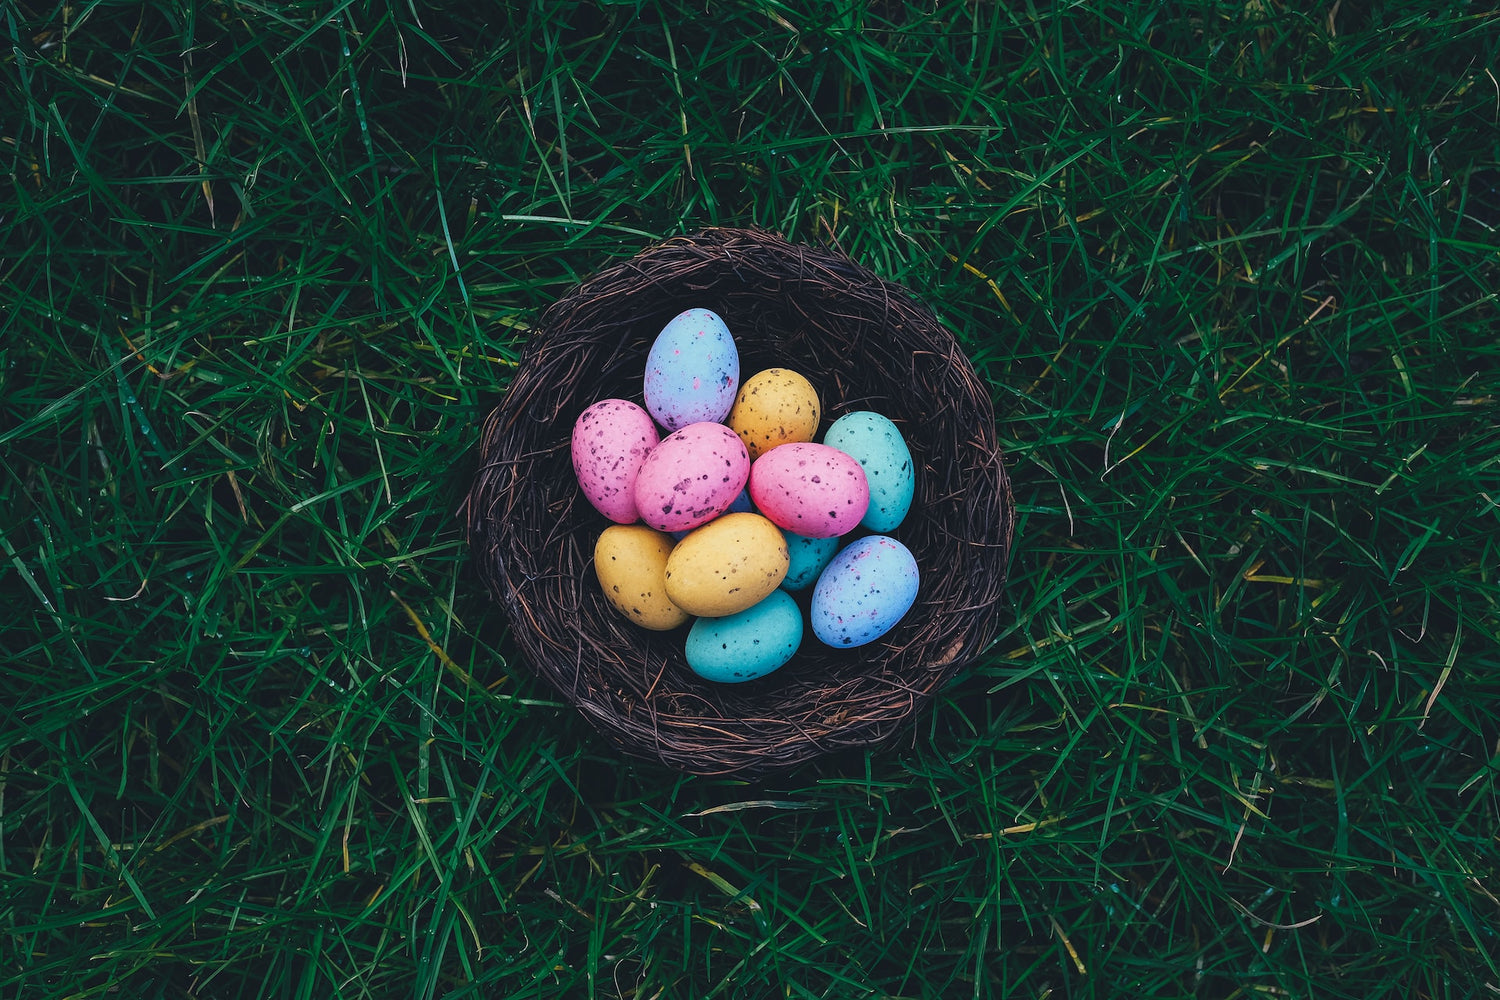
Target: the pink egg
(810, 489)
(611, 440)
(692, 477)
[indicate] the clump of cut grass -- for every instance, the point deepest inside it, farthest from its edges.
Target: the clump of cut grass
(1228, 268)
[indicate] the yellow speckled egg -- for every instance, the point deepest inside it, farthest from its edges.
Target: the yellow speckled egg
(774, 407)
(726, 566)
(631, 563)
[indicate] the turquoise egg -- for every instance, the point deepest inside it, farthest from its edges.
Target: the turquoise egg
(746, 645)
(864, 592)
(809, 557)
(876, 443)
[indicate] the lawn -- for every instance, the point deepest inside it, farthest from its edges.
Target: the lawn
(1230, 269)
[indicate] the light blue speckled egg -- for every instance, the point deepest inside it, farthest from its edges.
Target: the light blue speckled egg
(750, 644)
(876, 443)
(864, 592)
(809, 558)
(692, 370)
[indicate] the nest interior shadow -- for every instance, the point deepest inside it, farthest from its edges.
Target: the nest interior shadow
(865, 344)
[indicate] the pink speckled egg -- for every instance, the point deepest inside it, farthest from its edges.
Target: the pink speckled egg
(692, 477)
(610, 442)
(810, 489)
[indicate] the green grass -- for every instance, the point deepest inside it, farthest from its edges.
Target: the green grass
(1231, 270)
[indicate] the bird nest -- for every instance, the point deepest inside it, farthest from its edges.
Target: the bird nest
(866, 344)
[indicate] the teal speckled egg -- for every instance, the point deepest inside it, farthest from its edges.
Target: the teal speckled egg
(876, 443)
(746, 645)
(808, 558)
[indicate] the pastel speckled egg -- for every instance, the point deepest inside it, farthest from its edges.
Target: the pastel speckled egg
(876, 443)
(691, 477)
(864, 592)
(748, 644)
(631, 563)
(610, 441)
(774, 407)
(809, 557)
(692, 370)
(741, 504)
(810, 489)
(726, 566)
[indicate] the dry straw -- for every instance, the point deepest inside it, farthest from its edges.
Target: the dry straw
(865, 343)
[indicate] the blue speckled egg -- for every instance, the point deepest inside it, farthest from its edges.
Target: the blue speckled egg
(740, 505)
(748, 644)
(692, 370)
(876, 443)
(809, 557)
(864, 592)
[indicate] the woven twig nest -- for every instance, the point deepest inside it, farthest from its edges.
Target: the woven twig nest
(866, 344)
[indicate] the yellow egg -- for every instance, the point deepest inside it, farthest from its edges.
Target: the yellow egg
(774, 407)
(726, 566)
(631, 563)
